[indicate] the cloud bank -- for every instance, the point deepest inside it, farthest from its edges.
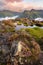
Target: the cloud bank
(13, 0)
(18, 5)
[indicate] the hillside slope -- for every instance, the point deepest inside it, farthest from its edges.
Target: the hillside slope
(8, 13)
(32, 14)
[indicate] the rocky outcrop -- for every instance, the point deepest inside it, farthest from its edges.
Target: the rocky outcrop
(17, 47)
(27, 47)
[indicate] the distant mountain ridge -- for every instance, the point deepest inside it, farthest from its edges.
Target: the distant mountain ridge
(8, 13)
(31, 14)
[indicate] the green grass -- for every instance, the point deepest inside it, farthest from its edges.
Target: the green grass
(7, 30)
(25, 24)
(37, 34)
(10, 30)
(19, 23)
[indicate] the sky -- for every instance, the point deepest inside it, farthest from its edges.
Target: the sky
(20, 5)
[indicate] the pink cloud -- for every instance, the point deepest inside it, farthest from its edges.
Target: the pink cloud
(20, 6)
(13, 0)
